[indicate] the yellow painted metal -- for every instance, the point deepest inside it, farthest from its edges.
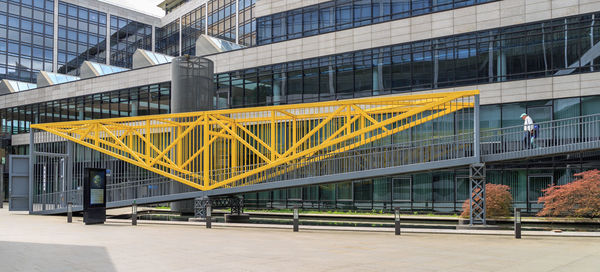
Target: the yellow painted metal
(225, 148)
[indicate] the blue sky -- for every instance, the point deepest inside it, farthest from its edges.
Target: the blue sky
(146, 6)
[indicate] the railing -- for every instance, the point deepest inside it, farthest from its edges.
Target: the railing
(135, 189)
(563, 135)
(371, 158)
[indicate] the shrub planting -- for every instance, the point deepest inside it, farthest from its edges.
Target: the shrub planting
(580, 198)
(498, 201)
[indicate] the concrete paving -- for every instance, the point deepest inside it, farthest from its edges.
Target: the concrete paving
(45, 243)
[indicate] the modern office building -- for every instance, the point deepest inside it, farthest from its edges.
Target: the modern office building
(94, 60)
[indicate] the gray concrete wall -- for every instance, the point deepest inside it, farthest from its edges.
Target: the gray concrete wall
(534, 89)
(127, 79)
(267, 7)
(451, 22)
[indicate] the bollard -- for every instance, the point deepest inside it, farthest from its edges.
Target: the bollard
(296, 218)
(1, 186)
(397, 220)
(70, 212)
(208, 215)
(134, 214)
(518, 223)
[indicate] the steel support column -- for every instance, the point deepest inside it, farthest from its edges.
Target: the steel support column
(200, 205)
(236, 204)
(32, 159)
(477, 193)
(476, 130)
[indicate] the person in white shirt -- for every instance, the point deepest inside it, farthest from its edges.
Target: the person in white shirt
(527, 129)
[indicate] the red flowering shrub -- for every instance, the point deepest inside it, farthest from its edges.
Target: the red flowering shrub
(580, 198)
(498, 201)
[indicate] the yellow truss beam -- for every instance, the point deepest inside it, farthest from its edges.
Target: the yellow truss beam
(224, 148)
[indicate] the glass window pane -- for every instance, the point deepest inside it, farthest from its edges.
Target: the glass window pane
(590, 105)
(401, 189)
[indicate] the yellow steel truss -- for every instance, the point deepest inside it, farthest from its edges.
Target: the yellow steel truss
(223, 148)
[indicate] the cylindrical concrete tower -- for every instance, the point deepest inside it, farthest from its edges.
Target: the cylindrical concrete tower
(192, 89)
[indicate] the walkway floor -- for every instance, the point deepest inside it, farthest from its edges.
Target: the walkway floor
(47, 243)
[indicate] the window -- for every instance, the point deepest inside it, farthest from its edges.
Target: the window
(310, 21)
(343, 14)
(401, 189)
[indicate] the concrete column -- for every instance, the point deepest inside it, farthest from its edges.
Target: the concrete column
(180, 35)
(206, 18)
(55, 40)
(153, 38)
(192, 90)
(108, 38)
(237, 22)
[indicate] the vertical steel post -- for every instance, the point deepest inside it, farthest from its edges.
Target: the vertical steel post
(68, 175)
(70, 212)
(296, 219)
(477, 176)
(518, 223)
(32, 159)
(1, 186)
(397, 220)
(476, 130)
(208, 215)
(134, 214)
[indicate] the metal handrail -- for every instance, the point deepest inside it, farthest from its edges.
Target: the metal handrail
(555, 133)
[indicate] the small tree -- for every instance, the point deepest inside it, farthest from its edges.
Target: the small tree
(580, 198)
(498, 201)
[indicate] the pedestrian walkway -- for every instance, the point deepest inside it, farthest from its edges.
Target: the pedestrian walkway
(48, 243)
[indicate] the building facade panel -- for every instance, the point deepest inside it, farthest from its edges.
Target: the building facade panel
(464, 20)
(338, 15)
(128, 79)
(510, 54)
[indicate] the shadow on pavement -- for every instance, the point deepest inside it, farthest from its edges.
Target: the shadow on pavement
(17, 256)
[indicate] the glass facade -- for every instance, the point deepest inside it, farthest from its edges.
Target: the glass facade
(26, 38)
(247, 22)
(338, 15)
(217, 18)
(533, 50)
(125, 37)
(439, 191)
(221, 19)
(81, 37)
(193, 25)
(144, 100)
(167, 39)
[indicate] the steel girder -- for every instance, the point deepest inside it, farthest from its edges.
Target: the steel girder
(231, 148)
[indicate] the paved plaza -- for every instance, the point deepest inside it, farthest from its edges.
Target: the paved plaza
(44, 243)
